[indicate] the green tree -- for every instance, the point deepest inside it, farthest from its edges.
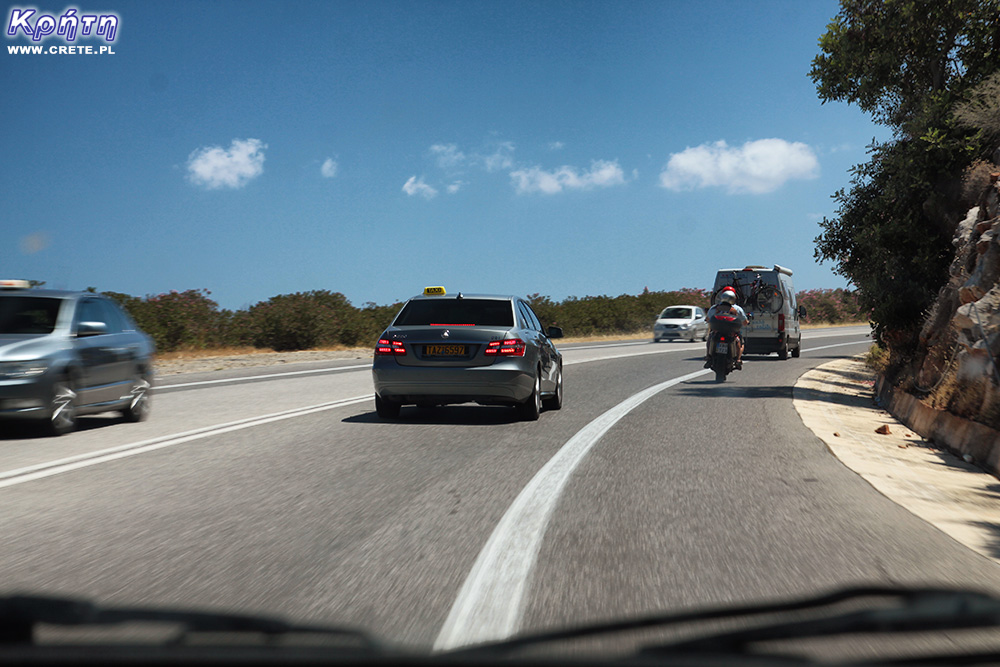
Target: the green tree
(890, 57)
(907, 63)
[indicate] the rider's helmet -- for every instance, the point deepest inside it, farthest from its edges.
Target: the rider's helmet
(728, 295)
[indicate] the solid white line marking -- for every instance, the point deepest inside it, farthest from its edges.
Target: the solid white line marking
(826, 347)
(596, 347)
(489, 603)
(263, 377)
(50, 468)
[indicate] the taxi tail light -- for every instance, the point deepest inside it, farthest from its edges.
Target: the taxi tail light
(781, 323)
(389, 348)
(510, 347)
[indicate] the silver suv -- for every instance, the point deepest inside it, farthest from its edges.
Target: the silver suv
(64, 354)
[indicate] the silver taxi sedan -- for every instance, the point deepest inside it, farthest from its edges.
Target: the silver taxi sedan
(481, 348)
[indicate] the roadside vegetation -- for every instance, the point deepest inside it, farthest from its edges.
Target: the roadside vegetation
(928, 71)
(190, 321)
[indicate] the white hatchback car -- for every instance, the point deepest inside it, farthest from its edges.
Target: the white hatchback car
(680, 323)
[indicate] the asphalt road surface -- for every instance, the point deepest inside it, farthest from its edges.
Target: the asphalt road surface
(279, 491)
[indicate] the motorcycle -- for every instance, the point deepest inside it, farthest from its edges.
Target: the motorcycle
(724, 330)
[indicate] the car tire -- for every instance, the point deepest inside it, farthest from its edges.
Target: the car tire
(62, 408)
(797, 350)
(532, 408)
(783, 353)
(555, 401)
(140, 399)
(386, 409)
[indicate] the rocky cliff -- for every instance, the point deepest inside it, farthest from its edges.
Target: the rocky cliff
(955, 365)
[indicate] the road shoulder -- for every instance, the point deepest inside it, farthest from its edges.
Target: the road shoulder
(835, 402)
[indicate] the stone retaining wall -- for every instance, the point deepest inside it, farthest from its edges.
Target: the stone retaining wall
(960, 435)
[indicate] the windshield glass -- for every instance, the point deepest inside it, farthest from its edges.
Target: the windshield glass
(456, 312)
(294, 415)
(676, 314)
(28, 315)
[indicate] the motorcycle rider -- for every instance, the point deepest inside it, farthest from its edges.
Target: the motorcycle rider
(726, 305)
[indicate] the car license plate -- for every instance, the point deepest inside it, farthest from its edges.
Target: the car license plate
(444, 350)
(722, 347)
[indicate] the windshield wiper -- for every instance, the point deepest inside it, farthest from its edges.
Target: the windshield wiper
(900, 610)
(20, 617)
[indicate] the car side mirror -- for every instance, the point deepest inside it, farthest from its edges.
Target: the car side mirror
(85, 329)
(802, 311)
(554, 332)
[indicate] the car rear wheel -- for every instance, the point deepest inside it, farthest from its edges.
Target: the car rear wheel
(532, 408)
(554, 402)
(139, 401)
(783, 353)
(386, 409)
(797, 350)
(62, 408)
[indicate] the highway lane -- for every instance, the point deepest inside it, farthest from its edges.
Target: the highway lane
(702, 493)
(206, 401)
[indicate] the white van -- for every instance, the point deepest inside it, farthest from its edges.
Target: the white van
(768, 295)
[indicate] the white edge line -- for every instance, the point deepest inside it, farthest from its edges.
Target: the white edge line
(262, 377)
(488, 605)
(50, 468)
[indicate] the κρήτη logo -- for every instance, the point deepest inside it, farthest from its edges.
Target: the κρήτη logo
(69, 26)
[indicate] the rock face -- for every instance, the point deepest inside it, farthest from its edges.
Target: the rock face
(961, 336)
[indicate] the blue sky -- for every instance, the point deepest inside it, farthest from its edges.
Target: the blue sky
(372, 148)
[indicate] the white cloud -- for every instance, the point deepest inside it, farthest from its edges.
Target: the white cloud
(448, 155)
(756, 167)
(455, 187)
(556, 145)
(602, 174)
(501, 158)
(416, 186)
(214, 167)
(329, 168)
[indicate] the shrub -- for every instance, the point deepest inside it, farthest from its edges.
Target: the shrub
(177, 320)
(302, 321)
(833, 306)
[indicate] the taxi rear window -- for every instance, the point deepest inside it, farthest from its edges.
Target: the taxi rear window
(456, 312)
(28, 315)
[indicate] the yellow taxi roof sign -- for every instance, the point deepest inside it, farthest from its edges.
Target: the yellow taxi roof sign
(434, 291)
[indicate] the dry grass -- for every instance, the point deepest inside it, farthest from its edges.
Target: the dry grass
(877, 358)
